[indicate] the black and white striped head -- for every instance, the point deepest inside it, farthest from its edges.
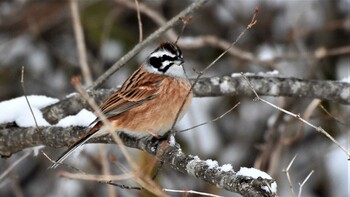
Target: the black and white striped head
(166, 59)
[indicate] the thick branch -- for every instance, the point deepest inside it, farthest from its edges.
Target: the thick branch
(14, 139)
(224, 86)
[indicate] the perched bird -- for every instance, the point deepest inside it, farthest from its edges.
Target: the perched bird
(149, 101)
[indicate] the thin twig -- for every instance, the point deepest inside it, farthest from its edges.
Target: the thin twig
(317, 128)
(94, 177)
(115, 67)
(286, 171)
(106, 170)
(329, 114)
(25, 96)
(186, 192)
(213, 120)
(13, 165)
(139, 20)
(302, 184)
(122, 186)
(151, 13)
(253, 22)
(185, 23)
(79, 37)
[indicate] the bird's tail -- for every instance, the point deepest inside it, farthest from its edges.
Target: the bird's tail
(93, 131)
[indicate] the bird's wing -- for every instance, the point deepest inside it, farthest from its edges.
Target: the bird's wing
(135, 91)
(139, 88)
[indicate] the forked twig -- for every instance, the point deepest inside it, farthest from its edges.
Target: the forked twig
(302, 184)
(25, 96)
(185, 23)
(286, 171)
(317, 128)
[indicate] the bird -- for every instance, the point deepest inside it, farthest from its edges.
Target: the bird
(149, 102)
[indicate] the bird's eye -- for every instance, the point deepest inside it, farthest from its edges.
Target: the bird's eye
(155, 62)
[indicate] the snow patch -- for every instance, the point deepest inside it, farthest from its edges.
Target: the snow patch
(255, 173)
(345, 94)
(346, 79)
(226, 168)
(261, 74)
(83, 118)
(190, 166)
(172, 141)
(17, 110)
(225, 87)
(215, 81)
(211, 164)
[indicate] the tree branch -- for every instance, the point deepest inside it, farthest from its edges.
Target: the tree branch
(14, 139)
(223, 86)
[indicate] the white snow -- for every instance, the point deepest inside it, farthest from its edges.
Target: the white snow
(226, 167)
(346, 79)
(190, 166)
(261, 74)
(255, 173)
(83, 118)
(211, 163)
(172, 141)
(17, 110)
(345, 93)
(225, 87)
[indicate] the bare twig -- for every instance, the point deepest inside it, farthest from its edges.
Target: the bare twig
(186, 192)
(302, 184)
(213, 120)
(152, 14)
(115, 67)
(185, 23)
(93, 177)
(286, 171)
(319, 129)
(25, 96)
(329, 114)
(13, 165)
(106, 169)
(139, 20)
(79, 37)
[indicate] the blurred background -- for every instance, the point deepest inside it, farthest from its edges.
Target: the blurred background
(303, 39)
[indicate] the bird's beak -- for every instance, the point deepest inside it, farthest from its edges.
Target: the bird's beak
(181, 61)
